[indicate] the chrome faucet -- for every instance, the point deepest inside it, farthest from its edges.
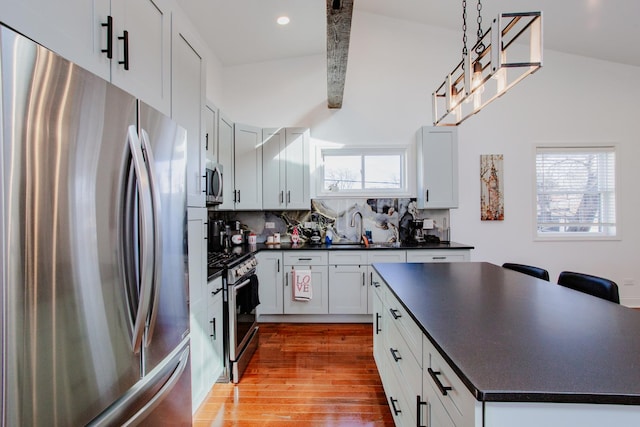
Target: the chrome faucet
(353, 224)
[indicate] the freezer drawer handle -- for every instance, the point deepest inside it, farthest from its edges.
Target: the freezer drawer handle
(395, 313)
(167, 373)
(396, 354)
(434, 377)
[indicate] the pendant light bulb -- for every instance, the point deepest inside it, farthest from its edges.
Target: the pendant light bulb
(476, 79)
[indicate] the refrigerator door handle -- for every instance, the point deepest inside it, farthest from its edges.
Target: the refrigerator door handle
(146, 237)
(157, 233)
(167, 373)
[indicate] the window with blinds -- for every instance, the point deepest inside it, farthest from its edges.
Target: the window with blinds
(576, 191)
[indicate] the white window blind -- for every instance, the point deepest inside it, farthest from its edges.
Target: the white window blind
(576, 191)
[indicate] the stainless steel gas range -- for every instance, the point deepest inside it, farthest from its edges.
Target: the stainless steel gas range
(240, 296)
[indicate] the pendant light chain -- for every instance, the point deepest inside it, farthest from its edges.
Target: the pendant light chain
(480, 46)
(464, 31)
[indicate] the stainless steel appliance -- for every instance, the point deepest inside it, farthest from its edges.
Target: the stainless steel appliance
(94, 297)
(240, 296)
(214, 195)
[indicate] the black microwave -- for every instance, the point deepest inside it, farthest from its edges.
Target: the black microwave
(214, 184)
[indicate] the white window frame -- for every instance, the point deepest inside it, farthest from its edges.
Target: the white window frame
(402, 151)
(577, 236)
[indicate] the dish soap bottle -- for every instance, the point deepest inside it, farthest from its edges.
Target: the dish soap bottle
(328, 238)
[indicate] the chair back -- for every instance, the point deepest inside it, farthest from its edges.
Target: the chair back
(592, 285)
(538, 272)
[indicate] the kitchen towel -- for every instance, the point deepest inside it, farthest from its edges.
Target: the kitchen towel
(249, 298)
(302, 288)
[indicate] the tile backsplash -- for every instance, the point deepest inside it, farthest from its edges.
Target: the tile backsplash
(383, 218)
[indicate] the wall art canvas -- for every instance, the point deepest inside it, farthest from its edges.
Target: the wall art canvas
(491, 187)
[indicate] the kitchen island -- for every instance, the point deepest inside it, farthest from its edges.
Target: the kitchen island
(528, 352)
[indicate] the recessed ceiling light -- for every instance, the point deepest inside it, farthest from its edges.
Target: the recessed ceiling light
(283, 20)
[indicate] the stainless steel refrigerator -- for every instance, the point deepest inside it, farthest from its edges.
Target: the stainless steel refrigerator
(94, 298)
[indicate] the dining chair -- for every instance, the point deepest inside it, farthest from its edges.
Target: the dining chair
(592, 285)
(538, 272)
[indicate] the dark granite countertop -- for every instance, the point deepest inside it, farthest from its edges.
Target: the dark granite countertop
(514, 338)
(286, 246)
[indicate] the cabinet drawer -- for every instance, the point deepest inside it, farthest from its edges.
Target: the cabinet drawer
(384, 256)
(403, 364)
(458, 402)
(305, 258)
(402, 408)
(407, 327)
(343, 257)
(437, 256)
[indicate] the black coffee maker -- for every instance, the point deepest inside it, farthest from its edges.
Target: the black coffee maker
(216, 236)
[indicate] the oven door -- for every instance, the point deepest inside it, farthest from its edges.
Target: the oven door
(214, 184)
(243, 300)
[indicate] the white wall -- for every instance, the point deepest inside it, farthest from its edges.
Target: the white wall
(393, 68)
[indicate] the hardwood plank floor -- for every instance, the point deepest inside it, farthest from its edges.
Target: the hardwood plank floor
(303, 375)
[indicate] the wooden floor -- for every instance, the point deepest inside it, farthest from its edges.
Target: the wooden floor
(303, 375)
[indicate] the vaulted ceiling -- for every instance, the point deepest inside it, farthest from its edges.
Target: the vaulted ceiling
(244, 31)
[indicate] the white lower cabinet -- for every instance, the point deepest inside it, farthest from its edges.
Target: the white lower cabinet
(316, 263)
(348, 292)
(214, 355)
(421, 388)
(270, 271)
(379, 322)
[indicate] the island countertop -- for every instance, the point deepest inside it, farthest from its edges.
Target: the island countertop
(515, 338)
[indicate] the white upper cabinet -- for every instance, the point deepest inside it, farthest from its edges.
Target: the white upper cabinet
(247, 193)
(285, 171)
(437, 168)
(211, 114)
(71, 28)
(78, 30)
(225, 158)
(141, 62)
(188, 88)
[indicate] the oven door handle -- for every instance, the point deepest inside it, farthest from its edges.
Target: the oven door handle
(243, 284)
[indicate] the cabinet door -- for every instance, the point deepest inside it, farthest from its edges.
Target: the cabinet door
(347, 289)
(188, 87)
(270, 278)
(71, 28)
(225, 158)
(437, 169)
(379, 324)
(296, 167)
(197, 261)
(148, 26)
(211, 133)
(248, 167)
(319, 303)
(273, 178)
(215, 349)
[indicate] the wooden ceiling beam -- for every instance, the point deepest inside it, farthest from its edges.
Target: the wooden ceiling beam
(339, 13)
